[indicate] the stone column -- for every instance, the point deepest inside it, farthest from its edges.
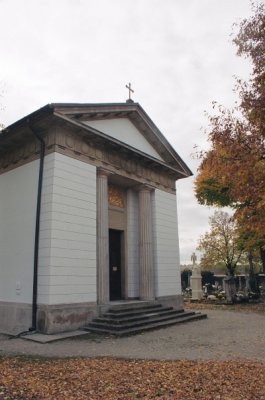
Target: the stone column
(102, 237)
(146, 273)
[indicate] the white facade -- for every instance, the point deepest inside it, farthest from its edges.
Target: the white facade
(79, 169)
(166, 244)
(67, 251)
(18, 192)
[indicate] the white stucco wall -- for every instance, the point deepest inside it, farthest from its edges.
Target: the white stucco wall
(133, 243)
(18, 196)
(67, 255)
(123, 130)
(166, 244)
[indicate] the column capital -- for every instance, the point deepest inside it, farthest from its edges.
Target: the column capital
(144, 187)
(103, 172)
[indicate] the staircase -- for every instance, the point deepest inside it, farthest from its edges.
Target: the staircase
(127, 319)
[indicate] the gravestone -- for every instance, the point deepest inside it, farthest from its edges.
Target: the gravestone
(196, 280)
(230, 289)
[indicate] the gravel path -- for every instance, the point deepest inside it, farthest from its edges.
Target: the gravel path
(224, 335)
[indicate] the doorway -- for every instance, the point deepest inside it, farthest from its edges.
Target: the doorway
(115, 263)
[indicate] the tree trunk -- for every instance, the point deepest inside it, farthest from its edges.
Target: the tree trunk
(262, 257)
(230, 269)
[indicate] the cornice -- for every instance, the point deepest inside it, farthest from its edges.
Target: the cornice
(114, 160)
(77, 146)
(74, 114)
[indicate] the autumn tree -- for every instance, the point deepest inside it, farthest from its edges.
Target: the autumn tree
(222, 243)
(232, 172)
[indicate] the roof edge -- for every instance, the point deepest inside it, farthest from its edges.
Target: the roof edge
(53, 108)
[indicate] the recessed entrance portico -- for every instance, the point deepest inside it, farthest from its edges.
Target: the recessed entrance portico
(113, 223)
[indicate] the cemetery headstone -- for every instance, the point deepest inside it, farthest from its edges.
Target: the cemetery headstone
(196, 280)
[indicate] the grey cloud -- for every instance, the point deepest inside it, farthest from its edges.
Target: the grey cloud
(177, 54)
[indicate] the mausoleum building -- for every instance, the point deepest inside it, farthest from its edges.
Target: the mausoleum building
(87, 215)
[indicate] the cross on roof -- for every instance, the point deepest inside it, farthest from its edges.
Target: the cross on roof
(130, 90)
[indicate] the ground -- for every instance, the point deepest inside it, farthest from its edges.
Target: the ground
(218, 358)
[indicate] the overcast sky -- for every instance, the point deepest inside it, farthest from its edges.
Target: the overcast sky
(177, 54)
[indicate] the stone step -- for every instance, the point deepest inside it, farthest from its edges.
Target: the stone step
(107, 318)
(127, 324)
(133, 306)
(127, 318)
(157, 325)
(139, 311)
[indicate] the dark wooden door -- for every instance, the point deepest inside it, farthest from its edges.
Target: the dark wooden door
(115, 263)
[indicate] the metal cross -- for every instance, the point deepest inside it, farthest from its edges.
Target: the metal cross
(130, 90)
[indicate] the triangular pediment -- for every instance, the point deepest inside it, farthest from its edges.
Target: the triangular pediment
(125, 131)
(124, 127)
(127, 123)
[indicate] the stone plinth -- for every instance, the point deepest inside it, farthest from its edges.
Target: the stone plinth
(230, 289)
(196, 283)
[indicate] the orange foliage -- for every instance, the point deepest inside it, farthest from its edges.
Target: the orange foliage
(232, 172)
(113, 379)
